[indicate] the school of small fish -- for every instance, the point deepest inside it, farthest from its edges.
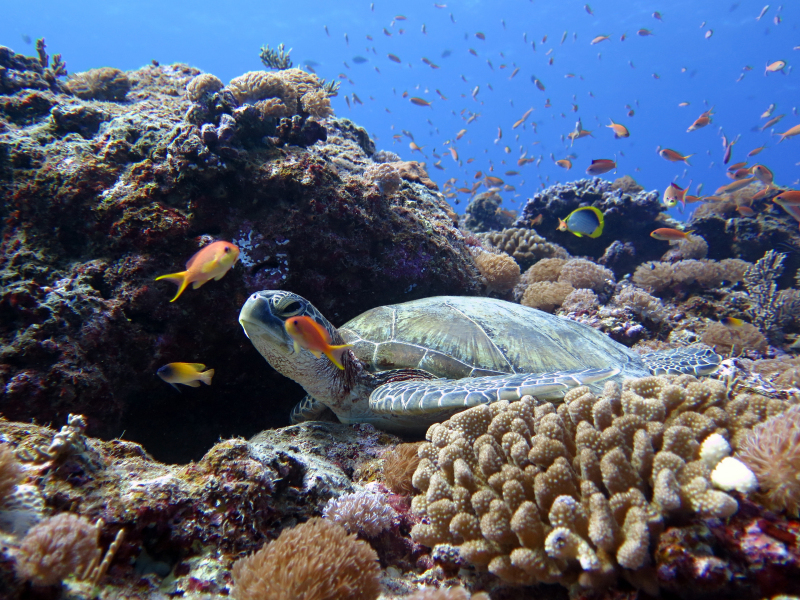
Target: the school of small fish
(531, 64)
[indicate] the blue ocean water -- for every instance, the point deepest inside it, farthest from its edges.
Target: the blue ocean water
(463, 57)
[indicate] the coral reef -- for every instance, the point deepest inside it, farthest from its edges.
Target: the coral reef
(525, 245)
(399, 466)
(569, 495)
(685, 275)
(316, 560)
(500, 271)
(103, 196)
(483, 213)
(733, 340)
(105, 83)
(546, 295)
(772, 451)
(629, 217)
(360, 513)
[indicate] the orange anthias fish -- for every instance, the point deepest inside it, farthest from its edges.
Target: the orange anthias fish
(600, 166)
(701, 121)
(419, 102)
(312, 336)
(673, 156)
(790, 133)
(674, 194)
(598, 39)
(788, 198)
(763, 174)
(778, 65)
(620, 131)
(211, 262)
(564, 163)
(668, 235)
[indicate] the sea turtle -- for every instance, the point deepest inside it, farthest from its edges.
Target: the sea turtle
(419, 362)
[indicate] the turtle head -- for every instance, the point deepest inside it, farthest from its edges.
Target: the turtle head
(263, 318)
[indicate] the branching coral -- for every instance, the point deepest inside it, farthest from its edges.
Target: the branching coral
(771, 309)
(536, 493)
(399, 466)
(360, 512)
(316, 560)
(500, 272)
(772, 451)
(277, 58)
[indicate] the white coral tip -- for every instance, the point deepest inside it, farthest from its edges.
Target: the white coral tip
(714, 449)
(733, 474)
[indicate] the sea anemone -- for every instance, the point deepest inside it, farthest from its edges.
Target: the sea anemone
(772, 451)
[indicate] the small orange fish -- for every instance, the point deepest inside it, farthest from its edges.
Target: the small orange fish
(673, 156)
(756, 150)
(600, 166)
(645, 32)
(415, 148)
(419, 102)
(564, 163)
(737, 166)
(311, 336)
(788, 198)
(480, 36)
(494, 180)
(736, 185)
(745, 211)
(778, 65)
(700, 122)
(763, 174)
(739, 174)
(674, 194)
(454, 153)
(771, 122)
(620, 131)
(790, 133)
(598, 39)
(211, 262)
(537, 220)
(666, 234)
(394, 58)
(460, 134)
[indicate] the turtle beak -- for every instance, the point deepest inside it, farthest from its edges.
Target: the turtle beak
(257, 320)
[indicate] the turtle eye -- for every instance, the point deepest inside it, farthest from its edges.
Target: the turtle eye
(292, 307)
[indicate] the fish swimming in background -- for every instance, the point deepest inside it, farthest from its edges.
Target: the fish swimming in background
(190, 374)
(701, 121)
(211, 262)
(584, 221)
(312, 336)
(778, 65)
(673, 156)
(667, 234)
(620, 131)
(790, 133)
(600, 166)
(419, 101)
(598, 39)
(564, 163)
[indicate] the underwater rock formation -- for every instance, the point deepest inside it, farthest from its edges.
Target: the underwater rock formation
(629, 218)
(104, 196)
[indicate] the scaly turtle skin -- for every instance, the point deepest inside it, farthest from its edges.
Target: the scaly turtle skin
(417, 363)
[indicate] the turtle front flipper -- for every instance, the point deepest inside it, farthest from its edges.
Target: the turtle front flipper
(683, 361)
(309, 409)
(414, 397)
